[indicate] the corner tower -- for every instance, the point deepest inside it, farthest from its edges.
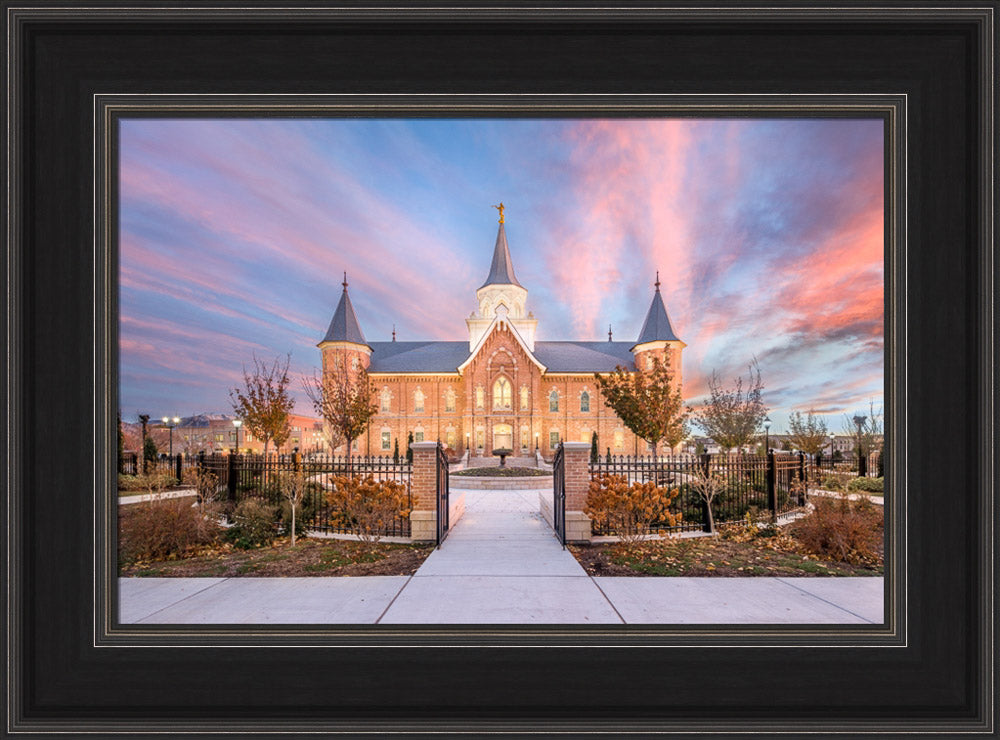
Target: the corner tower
(344, 338)
(502, 296)
(657, 338)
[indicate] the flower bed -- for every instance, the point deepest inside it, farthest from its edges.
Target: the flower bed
(503, 472)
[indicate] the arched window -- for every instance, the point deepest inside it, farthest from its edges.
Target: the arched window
(619, 440)
(524, 398)
(501, 394)
(554, 400)
(480, 397)
(449, 401)
(386, 399)
(585, 401)
(418, 401)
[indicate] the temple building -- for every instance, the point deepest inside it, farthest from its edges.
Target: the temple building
(500, 387)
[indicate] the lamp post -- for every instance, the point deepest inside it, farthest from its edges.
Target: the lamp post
(237, 423)
(171, 423)
(767, 435)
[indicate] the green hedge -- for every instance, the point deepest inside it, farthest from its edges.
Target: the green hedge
(868, 485)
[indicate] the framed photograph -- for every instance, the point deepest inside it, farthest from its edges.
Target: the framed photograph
(171, 174)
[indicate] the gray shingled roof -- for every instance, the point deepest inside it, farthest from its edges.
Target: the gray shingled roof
(445, 357)
(657, 325)
(502, 269)
(583, 357)
(344, 327)
(417, 357)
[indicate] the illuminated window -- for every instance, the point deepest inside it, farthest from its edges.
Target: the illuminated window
(354, 363)
(585, 436)
(524, 398)
(585, 401)
(480, 397)
(553, 440)
(449, 400)
(554, 401)
(418, 436)
(386, 400)
(525, 437)
(501, 394)
(480, 438)
(386, 440)
(450, 437)
(619, 440)
(418, 401)
(649, 362)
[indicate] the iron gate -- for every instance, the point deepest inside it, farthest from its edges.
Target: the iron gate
(559, 495)
(442, 494)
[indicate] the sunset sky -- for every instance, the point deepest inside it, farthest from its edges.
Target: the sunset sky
(768, 235)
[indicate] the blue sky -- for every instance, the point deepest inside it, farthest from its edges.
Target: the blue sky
(768, 235)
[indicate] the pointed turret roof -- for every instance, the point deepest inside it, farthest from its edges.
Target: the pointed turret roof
(345, 327)
(657, 325)
(502, 269)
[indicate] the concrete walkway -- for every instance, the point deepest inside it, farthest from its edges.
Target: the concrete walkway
(501, 564)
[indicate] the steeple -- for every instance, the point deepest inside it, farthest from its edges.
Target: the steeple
(657, 327)
(501, 297)
(344, 327)
(502, 269)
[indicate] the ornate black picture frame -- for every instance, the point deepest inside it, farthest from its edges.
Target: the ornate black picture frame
(928, 72)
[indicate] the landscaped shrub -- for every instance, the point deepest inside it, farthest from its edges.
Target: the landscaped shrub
(153, 483)
(156, 530)
(254, 524)
(630, 511)
(841, 529)
(835, 481)
(367, 507)
(869, 485)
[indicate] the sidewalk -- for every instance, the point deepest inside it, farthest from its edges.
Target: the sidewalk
(501, 564)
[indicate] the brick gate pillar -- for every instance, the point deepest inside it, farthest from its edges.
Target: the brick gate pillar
(423, 491)
(577, 458)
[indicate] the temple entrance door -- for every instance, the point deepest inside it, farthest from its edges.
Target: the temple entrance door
(503, 437)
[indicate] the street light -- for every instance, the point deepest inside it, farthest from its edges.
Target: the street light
(237, 423)
(767, 435)
(171, 423)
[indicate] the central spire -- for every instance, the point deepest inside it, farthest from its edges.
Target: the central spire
(502, 269)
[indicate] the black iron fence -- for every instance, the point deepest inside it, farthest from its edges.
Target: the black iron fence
(131, 463)
(764, 486)
(559, 495)
(870, 465)
(254, 476)
(441, 488)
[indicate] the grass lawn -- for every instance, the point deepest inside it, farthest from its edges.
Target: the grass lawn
(725, 555)
(504, 472)
(309, 557)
